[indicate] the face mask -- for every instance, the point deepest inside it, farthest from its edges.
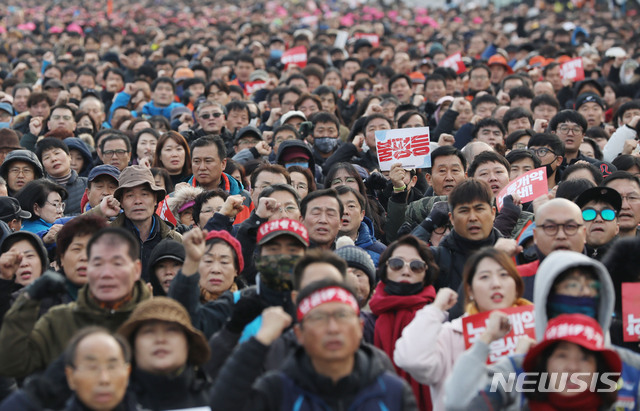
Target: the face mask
(325, 145)
(394, 288)
(276, 271)
(565, 304)
(275, 54)
(84, 130)
(303, 165)
(5, 125)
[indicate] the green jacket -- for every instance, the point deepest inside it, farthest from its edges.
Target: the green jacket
(29, 344)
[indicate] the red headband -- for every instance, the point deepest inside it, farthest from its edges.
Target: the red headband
(326, 295)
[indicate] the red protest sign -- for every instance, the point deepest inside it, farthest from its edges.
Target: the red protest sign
(631, 312)
(253, 86)
(573, 70)
(522, 322)
(296, 55)
(409, 146)
(528, 186)
(454, 61)
(374, 39)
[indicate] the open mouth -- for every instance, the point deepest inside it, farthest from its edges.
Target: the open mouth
(497, 297)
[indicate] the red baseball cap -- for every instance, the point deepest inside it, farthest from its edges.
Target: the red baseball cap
(578, 329)
(284, 226)
(501, 61)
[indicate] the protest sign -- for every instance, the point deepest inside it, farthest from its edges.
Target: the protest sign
(295, 55)
(573, 70)
(455, 62)
(528, 186)
(631, 312)
(374, 39)
(253, 86)
(409, 146)
(522, 322)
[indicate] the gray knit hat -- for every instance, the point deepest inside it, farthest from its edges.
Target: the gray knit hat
(356, 257)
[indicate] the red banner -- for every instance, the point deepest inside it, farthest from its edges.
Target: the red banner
(522, 324)
(631, 312)
(296, 55)
(454, 61)
(374, 39)
(528, 186)
(253, 86)
(573, 70)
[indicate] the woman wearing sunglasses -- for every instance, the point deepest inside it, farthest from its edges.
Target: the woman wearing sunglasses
(430, 345)
(406, 271)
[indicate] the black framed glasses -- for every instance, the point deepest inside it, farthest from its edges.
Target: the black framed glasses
(541, 151)
(397, 264)
(569, 228)
(607, 214)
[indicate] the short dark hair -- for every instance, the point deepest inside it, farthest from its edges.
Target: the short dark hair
(160, 80)
(116, 136)
(372, 117)
(521, 91)
(619, 175)
(398, 77)
(444, 151)
(423, 250)
(346, 189)
(516, 113)
(324, 117)
(37, 192)
(280, 187)
(317, 256)
(595, 171)
(629, 105)
(470, 190)
(290, 89)
(38, 97)
(271, 168)
(79, 226)
(327, 192)
(547, 139)
(72, 346)
(434, 77)
(210, 140)
(547, 99)
(626, 161)
(511, 139)
(520, 154)
(114, 236)
(239, 106)
(568, 115)
(571, 189)
(487, 157)
(406, 116)
(50, 143)
(203, 198)
(487, 122)
(484, 98)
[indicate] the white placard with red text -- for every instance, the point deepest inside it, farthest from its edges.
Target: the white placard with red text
(374, 39)
(528, 186)
(409, 146)
(573, 70)
(522, 322)
(631, 312)
(455, 62)
(295, 55)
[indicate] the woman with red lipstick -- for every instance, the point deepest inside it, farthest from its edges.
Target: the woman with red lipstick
(406, 270)
(430, 345)
(172, 154)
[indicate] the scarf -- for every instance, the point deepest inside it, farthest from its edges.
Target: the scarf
(472, 309)
(206, 296)
(584, 401)
(394, 313)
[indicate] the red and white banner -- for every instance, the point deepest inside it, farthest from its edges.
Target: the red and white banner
(454, 61)
(374, 39)
(409, 146)
(522, 322)
(295, 55)
(253, 86)
(528, 186)
(573, 70)
(631, 312)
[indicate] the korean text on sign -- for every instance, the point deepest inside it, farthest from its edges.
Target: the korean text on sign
(522, 324)
(630, 312)
(528, 186)
(295, 55)
(573, 70)
(409, 146)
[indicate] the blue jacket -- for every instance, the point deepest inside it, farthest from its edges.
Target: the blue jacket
(150, 109)
(368, 242)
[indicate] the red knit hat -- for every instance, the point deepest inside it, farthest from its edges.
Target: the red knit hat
(233, 243)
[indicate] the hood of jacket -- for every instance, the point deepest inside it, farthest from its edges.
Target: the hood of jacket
(366, 368)
(552, 266)
(296, 143)
(365, 233)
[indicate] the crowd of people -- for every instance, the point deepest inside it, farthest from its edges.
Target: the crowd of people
(193, 213)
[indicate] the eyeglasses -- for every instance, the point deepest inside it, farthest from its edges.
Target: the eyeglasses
(24, 171)
(322, 318)
(289, 209)
(58, 206)
(340, 181)
(565, 130)
(110, 153)
(590, 214)
(541, 151)
(568, 228)
(207, 116)
(441, 230)
(632, 198)
(397, 264)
